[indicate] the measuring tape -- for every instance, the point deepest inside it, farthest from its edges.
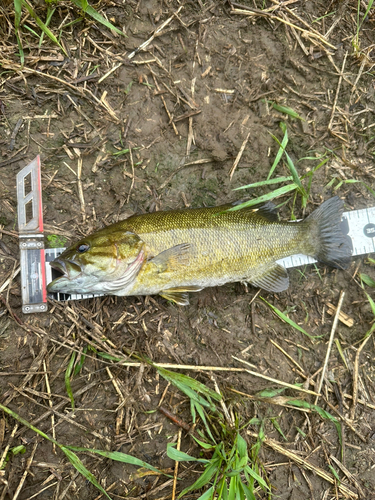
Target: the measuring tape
(36, 272)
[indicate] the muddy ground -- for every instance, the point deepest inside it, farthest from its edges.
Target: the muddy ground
(184, 106)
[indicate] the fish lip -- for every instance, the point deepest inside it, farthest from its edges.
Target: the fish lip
(67, 268)
(59, 266)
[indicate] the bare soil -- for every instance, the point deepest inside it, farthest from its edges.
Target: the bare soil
(201, 87)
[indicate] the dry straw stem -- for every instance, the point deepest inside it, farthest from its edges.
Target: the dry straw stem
(279, 382)
(222, 403)
(238, 157)
(79, 90)
(156, 33)
(344, 318)
(10, 279)
(288, 356)
(345, 420)
(307, 33)
(337, 91)
(328, 353)
(175, 474)
(276, 400)
(307, 465)
(26, 471)
(355, 377)
(80, 189)
(348, 474)
(5, 453)
(132, 165)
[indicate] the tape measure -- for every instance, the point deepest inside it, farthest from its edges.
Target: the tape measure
(36, 272)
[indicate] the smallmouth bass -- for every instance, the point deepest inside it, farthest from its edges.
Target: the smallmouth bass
(175, 252)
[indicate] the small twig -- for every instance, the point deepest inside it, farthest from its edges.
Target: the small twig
(304, 463)
(24, 475)
(155, 33)
(238, 157)
(4, 455)
(355, 376)
(174, 419)
(288, 356)
(190, 139)
(337, 91)
(222, 403)
(279, 382)
(48, 387)
(14, 134)
(132, 164)
(80, 189)
(176, 466)
(363, 64)
(334, 326)
(109, 72)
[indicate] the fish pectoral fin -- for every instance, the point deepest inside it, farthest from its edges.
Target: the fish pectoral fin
(179, 294)
(172, 258)
(275, 279)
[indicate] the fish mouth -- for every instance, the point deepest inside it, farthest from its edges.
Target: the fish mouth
(67, 271)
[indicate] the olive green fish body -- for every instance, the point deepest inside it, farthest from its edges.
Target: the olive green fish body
(173, 252)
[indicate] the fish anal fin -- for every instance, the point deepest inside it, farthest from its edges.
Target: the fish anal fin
(172, 258)
(275, 279)
(179, 294)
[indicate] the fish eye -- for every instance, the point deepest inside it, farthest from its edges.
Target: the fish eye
(83, 248)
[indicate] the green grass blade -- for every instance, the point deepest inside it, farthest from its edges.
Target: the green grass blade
(207, 495)
(202, 444)
(290, 322)
(82, 4)
(281, 150)
(118, 457)
(78, 465)
(366, 13)
(270, 393)
(72, 457)
(265, 183)
(17, 13)
(278, 428)
(355, 181)
(233, 488)
(257, 477)
(20, 48)
(42, 26)
(50, 13)
(286, 110)
(24, 422)
(68, 373)
(180, 456)
(248, 493)
(189, 382)
(79, 365)
(367, 280)
(266, 197)
(321, 412)
(204, 478)
(241, 446)
(372, 303)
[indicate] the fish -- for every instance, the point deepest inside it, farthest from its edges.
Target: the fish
(172, 253)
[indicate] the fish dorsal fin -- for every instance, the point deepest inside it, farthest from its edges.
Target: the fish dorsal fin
(275, 279)
(179, 294)
(172, 258)
(267, 210)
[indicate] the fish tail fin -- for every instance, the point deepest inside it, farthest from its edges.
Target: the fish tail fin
(330, 244)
